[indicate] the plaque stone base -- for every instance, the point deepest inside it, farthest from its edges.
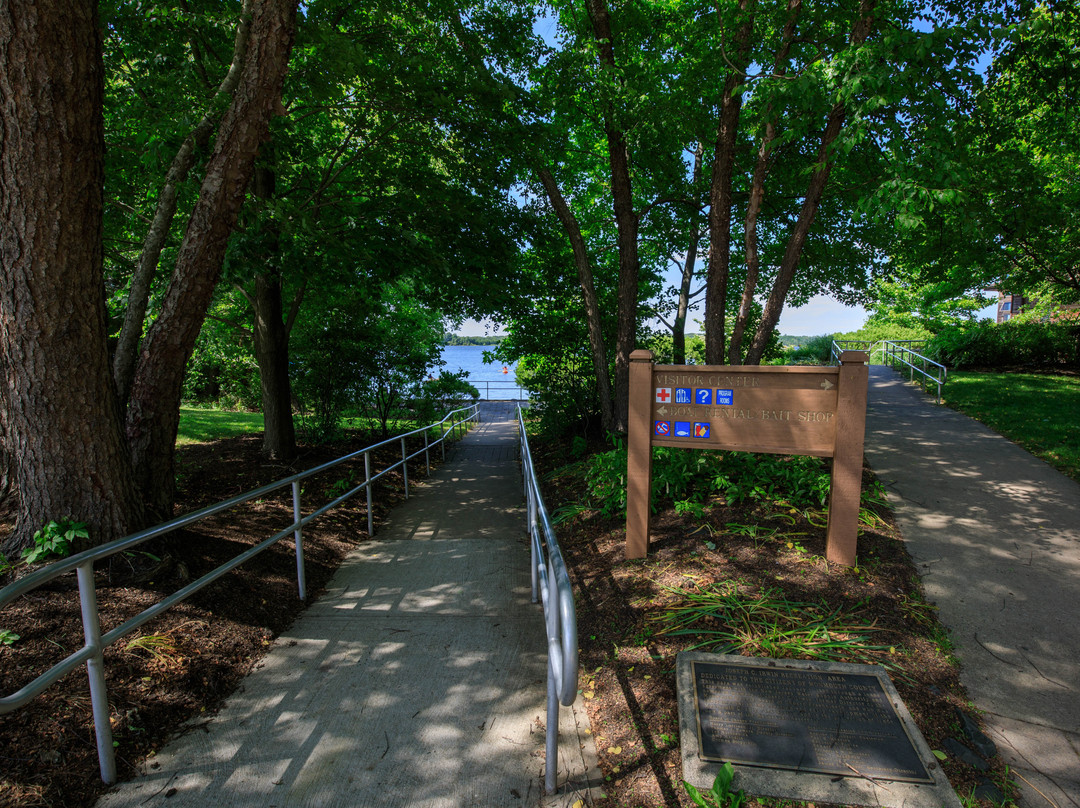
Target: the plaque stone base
(812, 731)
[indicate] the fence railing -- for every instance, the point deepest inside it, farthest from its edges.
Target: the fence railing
(501, 391)
(902, 355)
(551, 584)
(83, 563)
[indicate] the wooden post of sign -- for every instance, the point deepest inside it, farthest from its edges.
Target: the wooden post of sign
(843, 531)
(639, 454)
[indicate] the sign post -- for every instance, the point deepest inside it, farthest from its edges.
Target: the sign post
(818, 411)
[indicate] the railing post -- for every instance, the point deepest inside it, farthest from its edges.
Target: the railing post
(95, 671)
(427, 455)
(405, 467)
(298, 541)
(552, 746)
(367, 479)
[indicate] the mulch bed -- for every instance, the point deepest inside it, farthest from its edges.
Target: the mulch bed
(628, 665)
(184, 663)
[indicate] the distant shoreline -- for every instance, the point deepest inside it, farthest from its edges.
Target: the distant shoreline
(457, 339)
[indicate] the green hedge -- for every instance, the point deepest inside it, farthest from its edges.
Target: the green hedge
(989, 345)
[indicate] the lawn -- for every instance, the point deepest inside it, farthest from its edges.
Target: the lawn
(1039, 412)
(201, 426)
(198, 425)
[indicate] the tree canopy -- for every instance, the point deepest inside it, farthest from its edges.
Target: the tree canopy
(285, 183)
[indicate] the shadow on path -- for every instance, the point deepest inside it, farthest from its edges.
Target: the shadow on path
(417, 679)
(995, 533)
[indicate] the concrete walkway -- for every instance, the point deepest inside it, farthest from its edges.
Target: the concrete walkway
(417, 679)
(995, 533)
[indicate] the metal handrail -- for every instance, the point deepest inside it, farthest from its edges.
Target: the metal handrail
(83, 563)
(898, 352)
(903, 350)
(839, 346)
(486, 387)
(551, 582)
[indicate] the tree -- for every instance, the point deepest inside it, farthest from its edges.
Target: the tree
(62, 416)
(65, 425)
(1010, 218)
(153, 411)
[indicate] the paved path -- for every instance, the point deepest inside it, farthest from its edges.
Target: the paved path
(417, 679)
(995, 533)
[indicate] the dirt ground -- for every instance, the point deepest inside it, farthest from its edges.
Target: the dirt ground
(770, 558)
(184, 664)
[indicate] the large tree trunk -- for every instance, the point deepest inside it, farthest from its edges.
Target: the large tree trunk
(757, 195)
(588, 293)
(720, 196)
(153, 411)
(819, 177)
(62, 412)
(626, 223)
(139, 294)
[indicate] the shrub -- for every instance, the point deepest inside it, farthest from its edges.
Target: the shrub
(689, 476)
(447, 392)
(990, 345)
(816, 349)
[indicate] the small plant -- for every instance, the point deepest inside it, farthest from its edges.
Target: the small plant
(5, 565)
(7, 637)
(55, 539)
(726, 619)
(756, 533)
(720, 795)
(160, 648)
(687, 507)
(339, 487)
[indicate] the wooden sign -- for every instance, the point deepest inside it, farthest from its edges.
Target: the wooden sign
(819, 411)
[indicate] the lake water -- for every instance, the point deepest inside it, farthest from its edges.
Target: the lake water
(488, 379)
(470, 358)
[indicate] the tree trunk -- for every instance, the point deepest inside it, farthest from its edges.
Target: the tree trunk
(626, 223)
(678, 327)
(588, 293)
(757, 195)
(62, 412)
(720, 196)
(139, 294)
(153, 412)
(271, 337)
(774, 306)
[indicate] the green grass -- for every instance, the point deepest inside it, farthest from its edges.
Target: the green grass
(201, 426)
(198, 425)
(1039, 412)
(727, 620)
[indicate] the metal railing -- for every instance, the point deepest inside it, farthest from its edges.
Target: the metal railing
(899, 354)
(551, 584)
(501, 391)
(839, 346)
(83, 563)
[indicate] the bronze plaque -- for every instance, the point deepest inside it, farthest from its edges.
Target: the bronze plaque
(802, 720)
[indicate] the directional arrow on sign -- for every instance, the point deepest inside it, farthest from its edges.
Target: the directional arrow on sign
(825, 385)
(662, 410)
